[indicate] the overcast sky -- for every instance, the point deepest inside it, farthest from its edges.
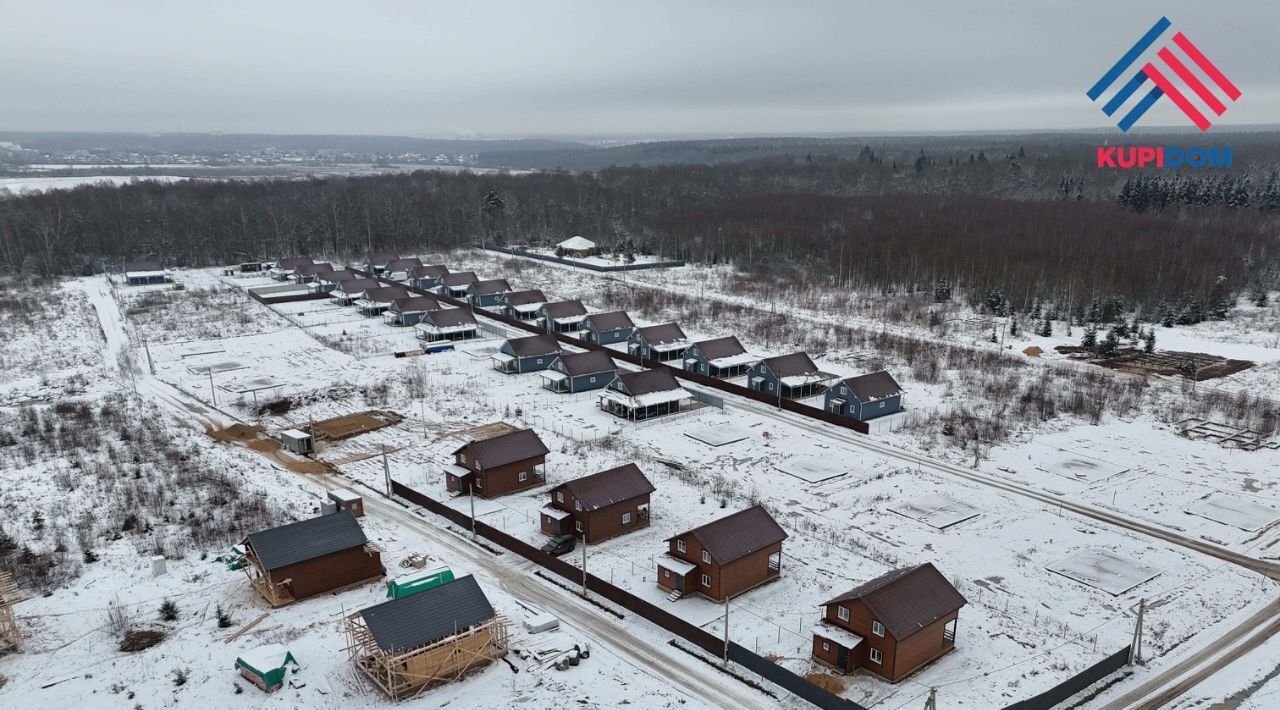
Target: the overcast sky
(497, 67)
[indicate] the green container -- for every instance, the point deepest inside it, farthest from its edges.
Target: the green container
(414, 583)
(267, 667)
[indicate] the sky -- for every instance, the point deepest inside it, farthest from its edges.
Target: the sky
(560, 67)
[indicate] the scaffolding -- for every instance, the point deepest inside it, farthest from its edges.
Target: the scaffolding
(405, 674)
(10, 635)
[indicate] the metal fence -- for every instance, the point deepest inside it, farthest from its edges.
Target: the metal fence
(1069, 687)
(590, 267)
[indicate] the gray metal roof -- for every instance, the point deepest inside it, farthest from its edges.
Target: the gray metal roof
(427, 616)
(505, 448)
(906, 600)
(600, 490)
(791, 365)
(587, 363)
(564, 309)
(874, 386)
(646, 381)
(533, 345)
(524, 298)
(720, 347)
(489, 286)
(446, 317)
(738, 535)
(307, 539)
(610, 321)
(664, 333)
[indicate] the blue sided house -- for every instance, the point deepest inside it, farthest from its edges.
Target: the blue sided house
(865, 397)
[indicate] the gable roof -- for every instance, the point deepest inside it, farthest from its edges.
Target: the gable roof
(489, 286)
(790, 365)
(427, 616)
(908, 599)
(446, 317)
(146, 265)
(611, 320)
(738, 535)
(524, 298)
(314, 268)
(293, 262)
(586, 363)
(385, 294)
(380, 257)
(873, 386)
(432, 271)
(564, 309)
(603, 489)
(720, 347)
(459, 278)
(340, 275)
(533, 346)
(410, 304)
(664, 333)
(307, 539)
(359, 285)
(647, 381)
(505, 448)
(404, 264)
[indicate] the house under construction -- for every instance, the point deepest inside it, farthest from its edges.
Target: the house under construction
(438, 635)
(10, 636)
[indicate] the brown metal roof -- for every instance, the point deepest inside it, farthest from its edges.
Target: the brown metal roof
(293, 262)
(404, 264)
(738, 535)
(872, 387)
(310, 269)
(448, 317)
(564, 309)
(506, 448)
(534, 345)
(433, 271)
(611, 320)
(906, 600)
(586, 363)
(380, 257)
(148, 265)
(646, 381)
(360, 285)
(720, 347)
(664, 333)
(412, 304)
(386, 294)
(489, 286)
(460, 278)
(524, 298)
(791, 365)
(603, 489)
(338, 276)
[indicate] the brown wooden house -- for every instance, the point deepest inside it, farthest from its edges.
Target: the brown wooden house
(503, 464)
(723, 558)
(892, 625)
(599, 506)
(310, 557)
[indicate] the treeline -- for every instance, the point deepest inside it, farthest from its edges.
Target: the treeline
(801, 222)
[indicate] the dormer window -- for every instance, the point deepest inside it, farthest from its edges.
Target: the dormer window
(842, 612)
(680, 546)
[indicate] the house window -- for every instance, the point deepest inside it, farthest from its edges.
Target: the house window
(826, 646)
(877, 656)
(626, 518)
(706, 557)
(770, 386)
(462, 458)
(877, 628)
(559, 496)
(578, 525)
(524, 476)
(681, 546)
(844, 390)
(592, 379)
(666, 572)
(479, 483)
(539, 361)
(577, 505)
(706, 580)
(842, 612)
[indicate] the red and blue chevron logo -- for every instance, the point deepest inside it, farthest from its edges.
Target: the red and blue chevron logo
(1163, 85)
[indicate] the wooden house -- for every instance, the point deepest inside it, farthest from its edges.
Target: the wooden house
(284, 268)
(142, 273)
(376, 301)
(455, 284)
(788, 376)
(607, 328)
(644, 394)
(407, 311)
(890, 626)
(529, 354)
(327, 281)
(599, 506)
(576, 247)
(562, 316)
(522, 305)
(446, 324)
(407, 645)
(658, 342)
(499, 465)
(723, 558)
(399, 269)
(580, 372)
(426, 277)
(346, 293)
(310, 557)
(376, 262)
(722, 357)
(487, 293)
(865, 397)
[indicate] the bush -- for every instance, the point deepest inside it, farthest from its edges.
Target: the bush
(135, 641)
(169, 610)
(224, 618)
(180, 676)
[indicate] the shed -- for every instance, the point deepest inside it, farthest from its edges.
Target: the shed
(140, 273)
(266, 666)
(576, 246)
(297, 441)
(348, 500)
(418, 582)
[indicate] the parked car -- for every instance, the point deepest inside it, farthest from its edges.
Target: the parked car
(559, 545)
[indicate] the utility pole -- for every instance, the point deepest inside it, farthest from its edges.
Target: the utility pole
(932, 702)
(471, 494)
(584, 565)
(386, 470)
(213, 395)
(1135, 649)
(726, 630)
(150, 365)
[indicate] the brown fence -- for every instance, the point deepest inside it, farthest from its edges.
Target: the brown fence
(286, 299)
(592, 267)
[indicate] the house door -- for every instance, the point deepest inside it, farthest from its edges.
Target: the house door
(835, 406)
(680, 583)
(842, 657)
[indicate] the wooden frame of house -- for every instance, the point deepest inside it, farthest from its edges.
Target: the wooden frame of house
(426, 277)
(579, 372)
(644, 395)
(600, 506)
(562, 316)
(725, 557)
(407, 311)
(662, 342)
(408, 645)
(284, 268)
(487, 293)
(507, 463)
(446, 324)
(307, 273)
(375, 301)
(376, 262)
(528, 354)
(607, 328)
(10, 634)
(892, 625)
(721, 357)
(310, 557)
(346, 293)
(328, 281)
(865, 397)
(792, 376)
(455, 284)
(522, 305)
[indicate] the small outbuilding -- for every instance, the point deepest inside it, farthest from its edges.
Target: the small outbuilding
(297, 441)
(143, 273)
(644, 395)
(267, 666)
(528, 354)
(348, 500)
(865, 397)
(576, 247)
(607, 328)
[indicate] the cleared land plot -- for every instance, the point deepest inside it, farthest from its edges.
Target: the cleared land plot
(352, 424)
(214, 367)
(199, 349)
(1238, 513)
(936, 510)
(1083, 468)
(718, 435)
(1105, 570)
(812, 469)
(245, 385)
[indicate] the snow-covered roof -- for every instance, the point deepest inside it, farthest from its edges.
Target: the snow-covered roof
(739, 359)
(678, 566)
(295, 434)
(265, 658)
(144, 274)
(456, 470)
(555, 513)
(831, 632)
(553, 375)
(503, 357)
(527, 307)
(648, 399)
(577, 243)
(806, 379)
(343, 495)
(429, 328)
(671, 345)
